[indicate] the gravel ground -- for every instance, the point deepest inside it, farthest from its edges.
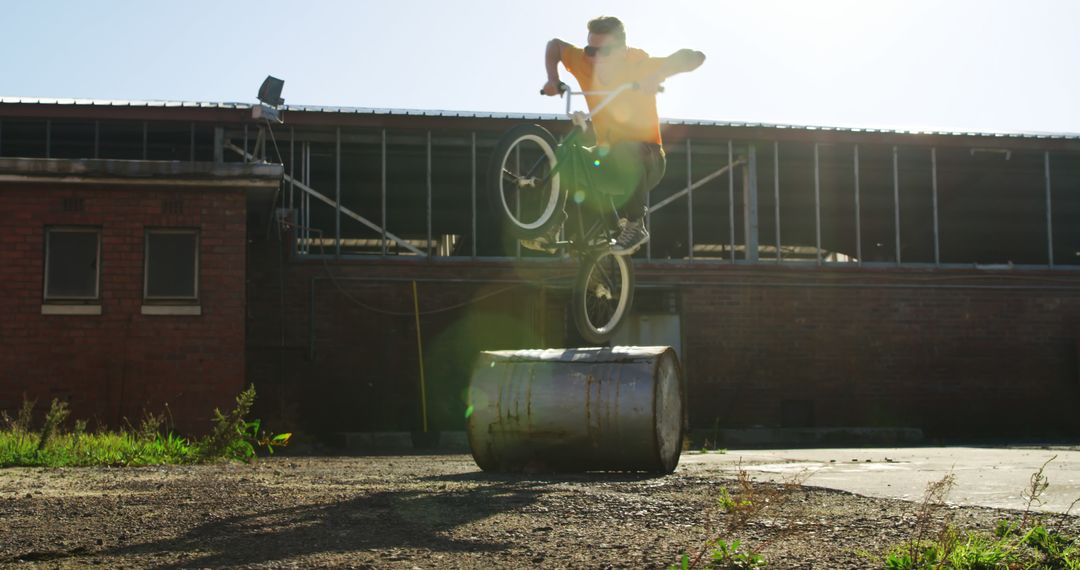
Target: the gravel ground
(435, 511)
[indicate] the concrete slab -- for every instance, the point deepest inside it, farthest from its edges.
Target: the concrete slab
(985, 476)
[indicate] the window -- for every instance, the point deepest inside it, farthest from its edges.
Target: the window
(72, 264)
(172, 266)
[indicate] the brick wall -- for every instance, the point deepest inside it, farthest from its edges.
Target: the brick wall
(958, 353)
(115, 365)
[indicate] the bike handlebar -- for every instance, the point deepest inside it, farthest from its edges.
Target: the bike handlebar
(610, 95)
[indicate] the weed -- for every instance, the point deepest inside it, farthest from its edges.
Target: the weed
(235, 438)
(1027, 543)
(724, 556)
(58, 412)
(148, 444)
(748, 503)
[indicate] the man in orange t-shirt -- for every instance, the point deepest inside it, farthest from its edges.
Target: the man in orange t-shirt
(628, 129)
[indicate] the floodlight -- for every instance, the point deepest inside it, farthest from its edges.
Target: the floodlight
(270, 91)
(269, 100)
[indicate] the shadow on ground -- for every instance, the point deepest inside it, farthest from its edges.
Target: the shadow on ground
(380, 521)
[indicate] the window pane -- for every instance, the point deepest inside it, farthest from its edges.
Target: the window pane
(73, 264)
(171, 265)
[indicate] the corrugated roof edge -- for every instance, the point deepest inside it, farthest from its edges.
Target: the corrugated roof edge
(515, 116)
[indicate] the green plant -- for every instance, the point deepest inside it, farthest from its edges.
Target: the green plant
(726, 555)
(1027, 543)
(58, 412)
(148, 444)
(235, 438)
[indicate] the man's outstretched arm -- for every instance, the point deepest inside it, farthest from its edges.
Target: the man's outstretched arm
(552, 57)
(681, 61)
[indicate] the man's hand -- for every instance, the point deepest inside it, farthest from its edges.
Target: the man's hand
(552, 87)
(650, 84)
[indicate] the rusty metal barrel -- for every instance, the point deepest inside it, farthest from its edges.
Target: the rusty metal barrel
(577, 409)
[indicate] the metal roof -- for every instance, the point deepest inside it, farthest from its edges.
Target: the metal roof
(513, 116)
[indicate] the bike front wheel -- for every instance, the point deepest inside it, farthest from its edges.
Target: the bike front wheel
(523, 183)
(603, 295)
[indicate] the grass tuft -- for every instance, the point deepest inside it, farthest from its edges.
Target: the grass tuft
(151, 443)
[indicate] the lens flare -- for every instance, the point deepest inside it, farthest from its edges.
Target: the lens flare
(579, 196)
(596, 163)
(469, 411)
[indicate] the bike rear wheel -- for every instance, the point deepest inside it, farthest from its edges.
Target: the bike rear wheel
(603, 295)
(523, 188)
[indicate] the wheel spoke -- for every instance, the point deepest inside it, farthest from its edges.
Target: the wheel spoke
(601, 305)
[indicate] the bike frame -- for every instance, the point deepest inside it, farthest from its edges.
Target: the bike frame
(570, 154)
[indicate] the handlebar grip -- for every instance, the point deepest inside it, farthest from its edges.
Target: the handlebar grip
(563, 88)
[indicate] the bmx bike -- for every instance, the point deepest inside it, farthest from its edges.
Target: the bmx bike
(531, 179)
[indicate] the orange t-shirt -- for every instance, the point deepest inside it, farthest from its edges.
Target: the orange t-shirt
(632, 115)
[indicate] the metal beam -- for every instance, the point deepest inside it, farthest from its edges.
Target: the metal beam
(429, 193)
(750, 203)
(896, 198)
(694, 186)
(731, 198)
(473, 164)
(690, 198)
(311, 192)
(337, 193)
(292, 165)
(933, 186)
(1049, 214)
(776, 192)
(382, 175)
(817, 204)
(219, 144)
(858, 212)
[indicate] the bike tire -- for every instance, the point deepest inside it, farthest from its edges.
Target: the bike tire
(545, 202)
(600, 304)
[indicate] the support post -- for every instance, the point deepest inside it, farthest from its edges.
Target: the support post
(933, 186)
(337, 192)
(473, 170)
(858, 212)
(817, 204)
(750, 203)
(429, 193)
(731, 198)
(896, 198)
(219, 144)
(689, 199)
(776, 193)
(1049, 214)
(383, 176)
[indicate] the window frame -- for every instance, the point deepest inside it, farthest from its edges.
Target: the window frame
(170, 300)
(71, 299)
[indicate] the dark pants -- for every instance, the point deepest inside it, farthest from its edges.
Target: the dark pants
(628, 171)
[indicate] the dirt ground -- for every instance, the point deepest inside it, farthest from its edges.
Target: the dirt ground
(435, 511)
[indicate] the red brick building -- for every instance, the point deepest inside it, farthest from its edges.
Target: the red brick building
(123, 284)
(808, 277)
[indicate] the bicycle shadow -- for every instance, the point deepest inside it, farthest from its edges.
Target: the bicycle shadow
(419, 519)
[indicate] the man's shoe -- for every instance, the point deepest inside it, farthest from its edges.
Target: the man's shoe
(633, 236)
(546, 242)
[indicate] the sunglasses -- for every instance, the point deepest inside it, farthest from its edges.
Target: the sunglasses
(592, 51)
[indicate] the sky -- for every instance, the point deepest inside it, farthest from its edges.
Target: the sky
(954, 65)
